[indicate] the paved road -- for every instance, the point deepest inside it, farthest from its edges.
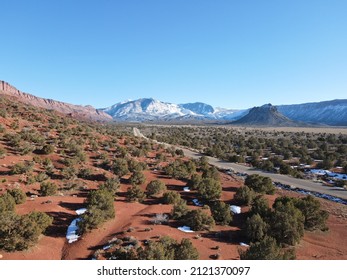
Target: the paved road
(284, 179)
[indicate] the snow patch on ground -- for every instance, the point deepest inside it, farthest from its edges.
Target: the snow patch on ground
(185, 229)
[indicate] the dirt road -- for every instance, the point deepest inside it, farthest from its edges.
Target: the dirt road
(284, 179)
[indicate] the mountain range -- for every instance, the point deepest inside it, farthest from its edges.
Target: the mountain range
(332, 112)
(149, 109)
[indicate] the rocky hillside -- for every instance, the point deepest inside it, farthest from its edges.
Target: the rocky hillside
(84, 112)
(333, 112)
(266, 115)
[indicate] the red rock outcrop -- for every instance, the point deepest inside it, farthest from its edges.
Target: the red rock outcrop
(85, 112)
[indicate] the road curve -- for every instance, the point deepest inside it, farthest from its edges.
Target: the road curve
(284, 179)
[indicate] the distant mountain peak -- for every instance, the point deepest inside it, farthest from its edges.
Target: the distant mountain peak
(266, 115)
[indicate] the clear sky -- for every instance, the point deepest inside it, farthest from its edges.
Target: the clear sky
(227, 53)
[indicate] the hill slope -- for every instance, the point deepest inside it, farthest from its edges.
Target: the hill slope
(85, 112)
(266, 115)
(332, 112)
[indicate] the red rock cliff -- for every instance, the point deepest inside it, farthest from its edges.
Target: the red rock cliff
(86, 112)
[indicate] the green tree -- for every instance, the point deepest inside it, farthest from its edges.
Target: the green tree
(315, 218)
(194, 181)
(155, 187)
(266, 249)
(221, 213)
(260, 205)
(211, 172)
(100, 208)
(21, 232)
(186, 251)
(287, 224)
(171, 197)
(42, 220)
(199, 220)
(164, 249)
(209, 189)
(256, 229)
(260, 184)
(179, 210)
(244, 195)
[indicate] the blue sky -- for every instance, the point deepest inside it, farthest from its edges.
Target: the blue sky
(227, 53)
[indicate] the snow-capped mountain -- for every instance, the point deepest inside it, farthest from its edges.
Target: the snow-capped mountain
(149, 109)
(145, 109)
(199, 108)
(332, 112)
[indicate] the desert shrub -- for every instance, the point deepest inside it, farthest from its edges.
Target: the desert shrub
(171, 197)
(7, 203)
(179, 210)
(47, 149)
(13, 140)
(85, 173)
(18, 195)
(120, 167)
(69, 173)
(112, 185)
(199, 220)
(137, 178)
(40, 177)
(21, 168)
(155, 187)
(48, 188)
(244, 195)
(134, 165)
(160, 218)
(221, 213)
(134, 194)
(3, 112)
(2, 152)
